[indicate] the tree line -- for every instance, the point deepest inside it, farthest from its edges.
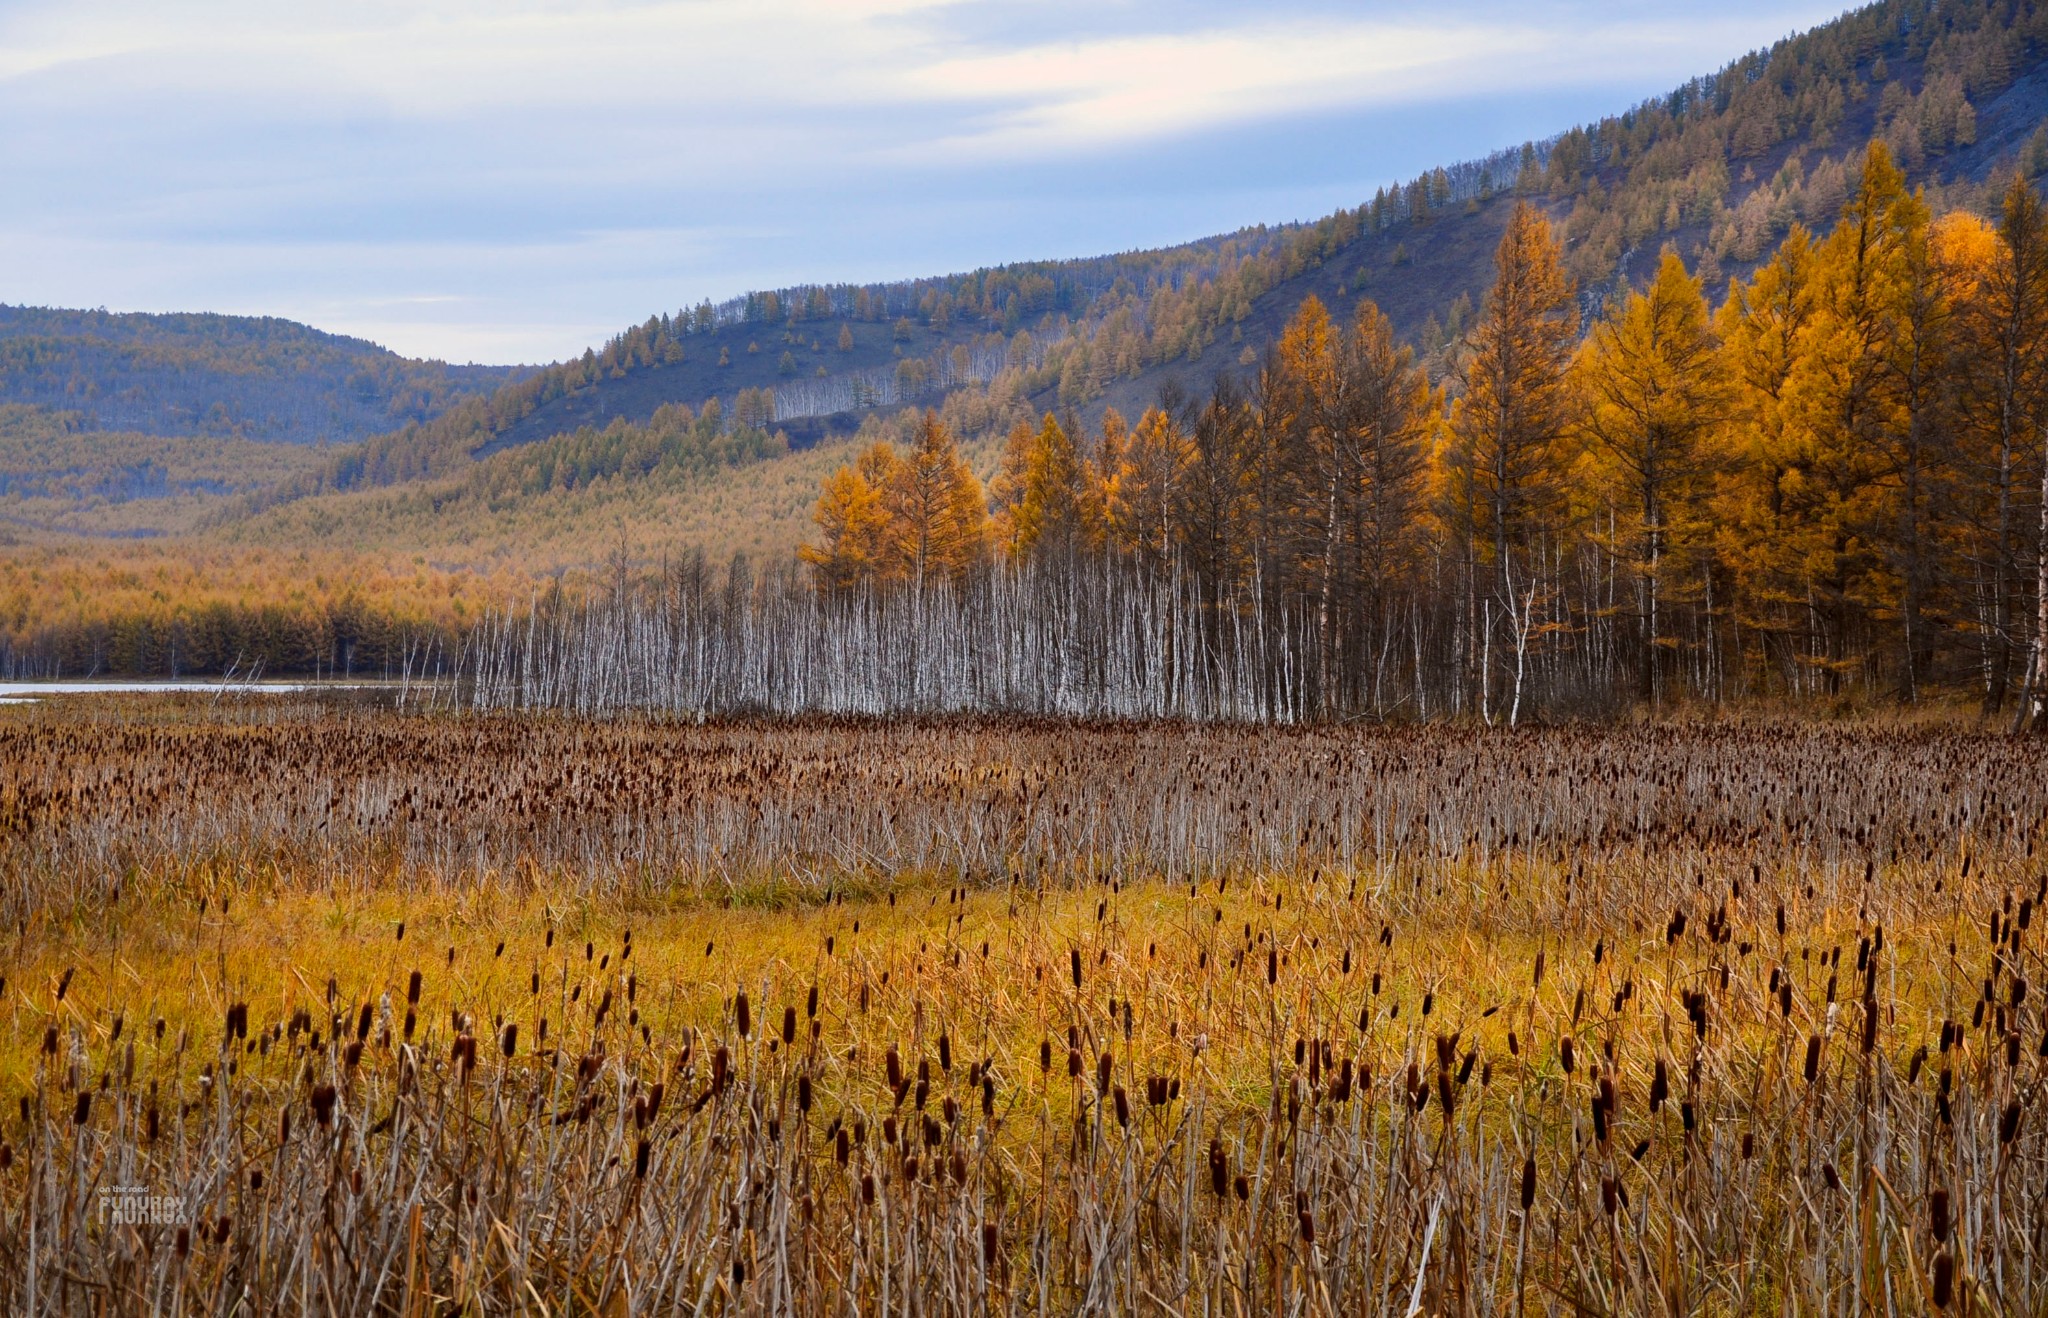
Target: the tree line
(1831, 484)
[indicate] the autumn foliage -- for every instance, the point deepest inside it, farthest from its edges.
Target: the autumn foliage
(1830, 483)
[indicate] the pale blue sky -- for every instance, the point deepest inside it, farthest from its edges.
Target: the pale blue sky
(502, 180)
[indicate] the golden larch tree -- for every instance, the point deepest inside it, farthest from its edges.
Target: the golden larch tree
(1653, 393)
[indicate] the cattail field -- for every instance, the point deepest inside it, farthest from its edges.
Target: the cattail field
(312, 1005)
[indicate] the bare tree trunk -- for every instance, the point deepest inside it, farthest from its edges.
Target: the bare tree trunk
(2040, 678)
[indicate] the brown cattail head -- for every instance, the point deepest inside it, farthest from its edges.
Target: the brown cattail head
(1937, 1215)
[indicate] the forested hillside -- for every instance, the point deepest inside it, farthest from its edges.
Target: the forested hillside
(242, 377)
(58, 476)
(1721, 167)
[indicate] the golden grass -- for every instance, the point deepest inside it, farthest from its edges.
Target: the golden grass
(762, 509)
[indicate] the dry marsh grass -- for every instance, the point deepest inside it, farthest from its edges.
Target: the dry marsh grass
(510, 1015)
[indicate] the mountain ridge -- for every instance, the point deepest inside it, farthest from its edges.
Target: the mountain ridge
(215, 375)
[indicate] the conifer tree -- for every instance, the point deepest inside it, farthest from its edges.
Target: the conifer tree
(938, 514)
(2002, 370)
(853, 522)
(1056, 515)
(1501, 470)
(1846, 405)
(1143, 514)
(1653, 395)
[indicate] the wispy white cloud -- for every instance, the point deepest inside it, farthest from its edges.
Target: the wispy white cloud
(1082, 94)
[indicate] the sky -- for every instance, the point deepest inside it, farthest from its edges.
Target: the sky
(514, 180)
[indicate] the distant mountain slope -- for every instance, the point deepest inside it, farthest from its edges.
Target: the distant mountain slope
(245, 377)
(1720, 167)
(59, 480)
